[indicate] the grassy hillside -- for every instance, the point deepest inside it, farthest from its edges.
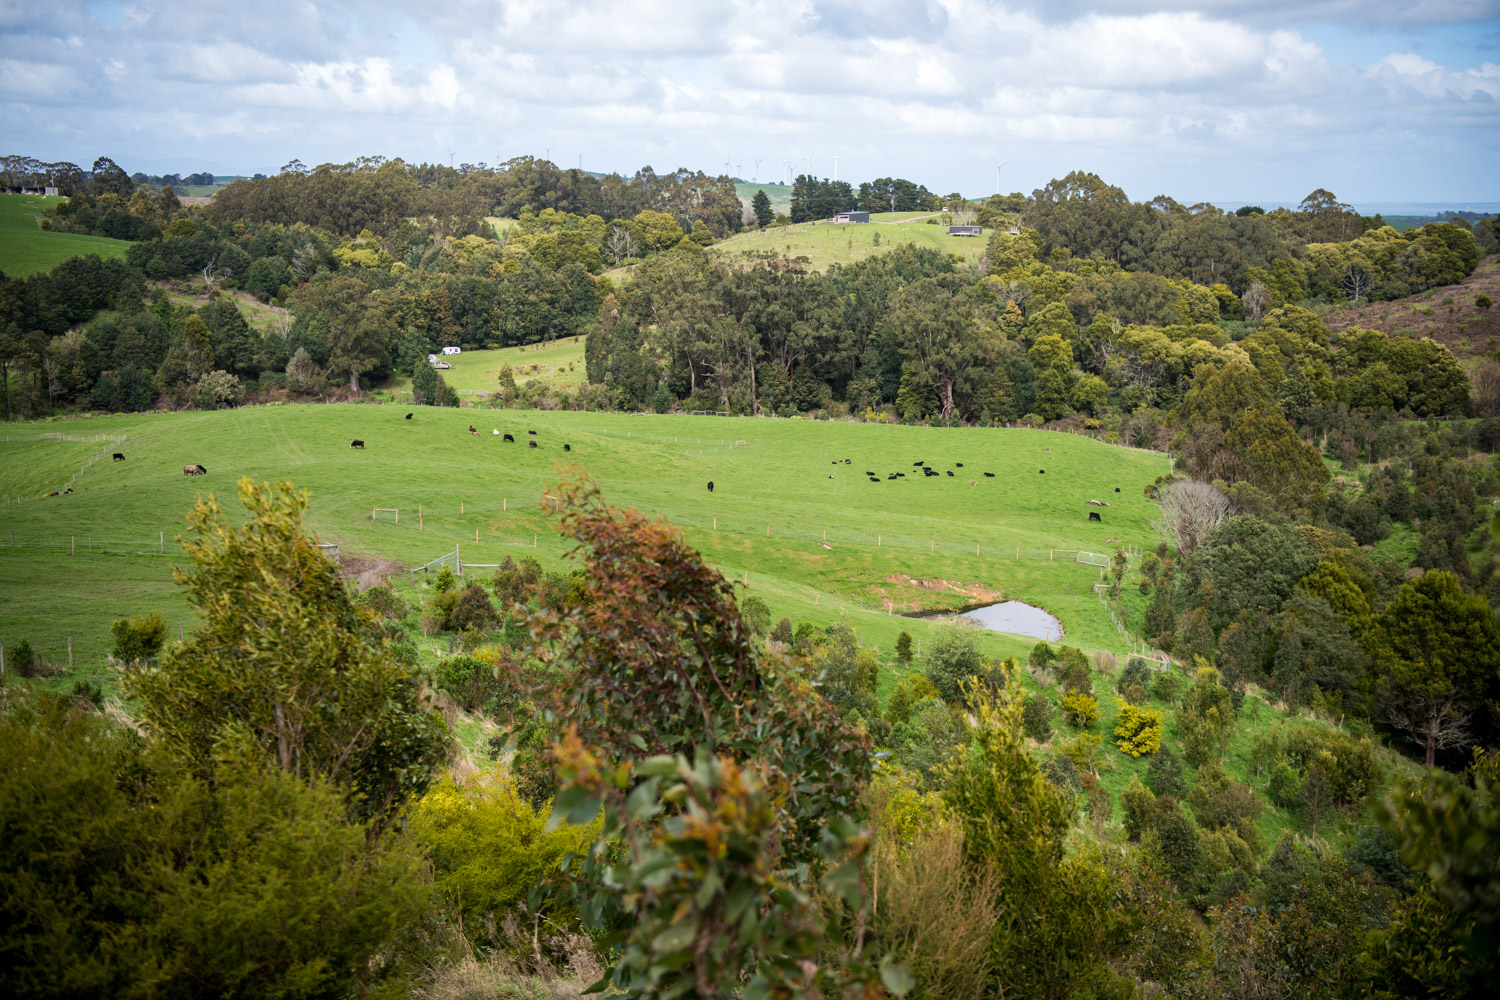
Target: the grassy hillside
(824, 243)
(27, 249)
(559, 363)
(1450, 315)
(893, 546)
(780, 195)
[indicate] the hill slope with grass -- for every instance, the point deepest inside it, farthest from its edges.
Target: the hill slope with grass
(1465, 318)
(825, 244)
(816, 540)
(26, 248)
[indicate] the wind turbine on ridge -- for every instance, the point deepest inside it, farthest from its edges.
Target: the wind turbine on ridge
(998, 165)
(756, 160)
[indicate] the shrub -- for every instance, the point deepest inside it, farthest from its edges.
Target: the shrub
(1217, 800)
(1348, 765)
(1206, 721)
(1036, 715)
(910, 690)
(140, 637)
(953, 658)
(1167, 686)
(782, 633)
(1164, 774)
(30, 663)
(473, 610)
(903, 647)
(1138, 729)
(1136, 802)
(446, 581)
(514, 581)
(1083, 751)
(385, 602)
(466, 678)
(1073, 670)
(1041, 657)
(1133, 681)
(1285, 784)
(1483, 302)
(1079, 709)
(756, 615)
(488, 846)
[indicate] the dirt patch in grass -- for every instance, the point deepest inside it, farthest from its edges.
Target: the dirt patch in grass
(369, 571)
(917, 595)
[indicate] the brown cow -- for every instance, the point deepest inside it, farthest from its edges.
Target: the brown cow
(194, 470)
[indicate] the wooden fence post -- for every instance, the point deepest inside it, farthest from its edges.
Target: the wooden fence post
(72, 545)
(70, 652)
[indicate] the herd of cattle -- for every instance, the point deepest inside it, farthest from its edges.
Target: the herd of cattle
(928, 472)
(473, 432)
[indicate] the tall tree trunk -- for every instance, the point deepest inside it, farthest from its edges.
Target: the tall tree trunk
(354, 381)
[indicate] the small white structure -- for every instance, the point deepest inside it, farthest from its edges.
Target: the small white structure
(437, 362)
(453, 350)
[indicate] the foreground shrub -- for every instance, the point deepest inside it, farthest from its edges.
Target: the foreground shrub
(489, 846)
(126, 876)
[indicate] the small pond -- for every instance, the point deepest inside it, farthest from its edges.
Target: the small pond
(1017, 618)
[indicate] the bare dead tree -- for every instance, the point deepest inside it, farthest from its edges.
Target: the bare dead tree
(305, 260)
(1437, 721)
(1356, 280)
(620, 243)
(1191, 511)
(1255, 300)
(213, 274)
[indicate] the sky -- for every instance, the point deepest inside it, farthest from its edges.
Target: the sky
(1232, 101)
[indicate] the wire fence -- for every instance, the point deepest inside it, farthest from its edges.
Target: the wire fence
(90, 544)
(107, 443)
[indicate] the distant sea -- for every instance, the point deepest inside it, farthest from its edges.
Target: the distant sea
(1387, 208)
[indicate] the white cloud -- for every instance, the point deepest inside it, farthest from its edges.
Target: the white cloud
(1157, 94)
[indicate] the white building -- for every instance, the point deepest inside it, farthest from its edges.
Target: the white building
(453, 350)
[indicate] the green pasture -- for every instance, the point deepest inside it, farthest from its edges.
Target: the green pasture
(780, 195)
(815, 548)
(559, 364)
(26, 248)
(824, 243)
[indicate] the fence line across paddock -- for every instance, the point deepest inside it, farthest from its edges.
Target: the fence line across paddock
(106, 441)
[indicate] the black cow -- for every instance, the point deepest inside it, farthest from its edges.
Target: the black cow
(834, 462)
(710, 486)
(847, 462)
(1117, 489)
(68, 490)
(357, 443)
(989, 475)
(567, 447)
(119, 457)
(1041, 472)
(950, 472)
(917, 465)
(532, 433)
(510, 439)
(1094, 516)
(532, 443)
(959, 464)
(874, 479)
(408, 416)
